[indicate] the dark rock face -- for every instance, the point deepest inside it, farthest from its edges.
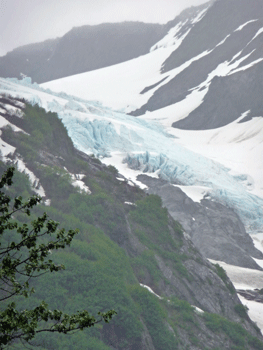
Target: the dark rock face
(82, 49)
(228, 96)
(254, 295)
(29, 60)
(222, 18)
(215, 230)
(199, 287)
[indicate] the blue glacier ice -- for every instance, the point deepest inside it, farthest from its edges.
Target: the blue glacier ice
(147, 147)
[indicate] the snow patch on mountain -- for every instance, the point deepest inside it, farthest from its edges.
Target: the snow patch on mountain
(4, 122)
(35, 182)
(196, 309)
(196, 193)
(14, 111)
(150, 290)
(223, 41)
(178, 33)
(255, 311)
(224, 69)
(5, 150)
(246, 66)
(199, 16)
(173, 38)
(256, 35)
(241, 277)
(245, 24)
(180, 110)
(258, 243)
(77, 182)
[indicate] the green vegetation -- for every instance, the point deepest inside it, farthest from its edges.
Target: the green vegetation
(222, 274)
(25, 254)
(156, 232)
(154, 315)
(98, 272)
(241, 310)
(45, 129)
(234, 331)
(118, 246)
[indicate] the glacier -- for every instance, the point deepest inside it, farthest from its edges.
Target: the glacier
(142, 147)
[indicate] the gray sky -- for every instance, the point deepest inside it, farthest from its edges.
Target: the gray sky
(28, 21)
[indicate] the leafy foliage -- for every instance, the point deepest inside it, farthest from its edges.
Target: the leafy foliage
(24, 257)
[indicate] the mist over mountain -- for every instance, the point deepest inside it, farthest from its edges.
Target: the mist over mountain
(82, 49)
(86, 48)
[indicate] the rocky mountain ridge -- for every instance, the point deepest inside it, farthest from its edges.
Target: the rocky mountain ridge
(88, 48)
(81, 49)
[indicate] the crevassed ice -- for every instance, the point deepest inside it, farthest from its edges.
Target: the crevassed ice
(147, 148)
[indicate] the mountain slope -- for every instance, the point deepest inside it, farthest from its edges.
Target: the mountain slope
(28, 59)
(129, 250)
(206, 71)
(191, 83)
(209, 58)
(82, 49)
(137, 147)
(215, 230)
(225, 49)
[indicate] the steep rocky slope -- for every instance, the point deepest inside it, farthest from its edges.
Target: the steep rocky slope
(128, 248)
(215, 229)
